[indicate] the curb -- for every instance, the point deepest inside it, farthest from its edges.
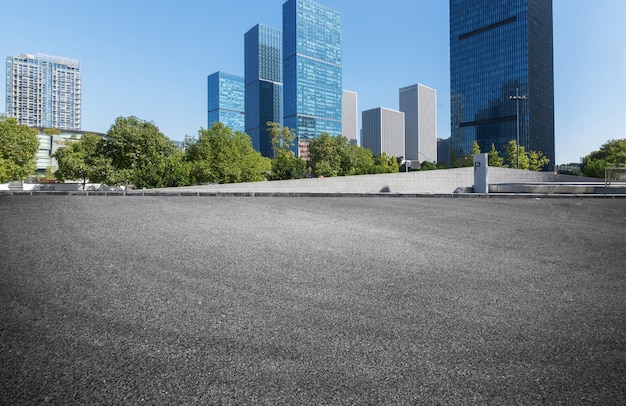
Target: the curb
(148, 193)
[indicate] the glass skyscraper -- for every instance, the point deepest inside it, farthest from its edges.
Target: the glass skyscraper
(263, 84)
(226, 100)
(497, 47)
(312, 69)
(44, 91)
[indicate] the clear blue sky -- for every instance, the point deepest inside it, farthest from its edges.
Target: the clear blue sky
(151, 59)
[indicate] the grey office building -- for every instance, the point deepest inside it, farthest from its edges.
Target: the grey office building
(350, 116)
(383, 131)
(419, 105)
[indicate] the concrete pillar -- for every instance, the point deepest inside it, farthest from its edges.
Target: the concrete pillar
(481, 173)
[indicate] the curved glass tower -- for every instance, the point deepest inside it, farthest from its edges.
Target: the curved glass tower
(496, 48)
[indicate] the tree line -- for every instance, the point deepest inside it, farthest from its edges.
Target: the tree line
(528, 160)
(135, 152)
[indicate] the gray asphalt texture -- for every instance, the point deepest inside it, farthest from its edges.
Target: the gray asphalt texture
(289, 300)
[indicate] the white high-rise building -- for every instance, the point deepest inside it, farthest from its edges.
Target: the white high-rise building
(350, 115)
(44, 91)
(419, 105)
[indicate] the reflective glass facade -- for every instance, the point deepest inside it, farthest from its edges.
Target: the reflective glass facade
(263, 84)
(496, 47)
(226, 100)
(312, 68)
(44, 91)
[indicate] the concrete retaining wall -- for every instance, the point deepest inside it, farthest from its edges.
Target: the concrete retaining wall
(424, 182)
(446, 181)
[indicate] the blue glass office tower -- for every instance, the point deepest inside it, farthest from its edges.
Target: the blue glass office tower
(496, 47)
(226, 100)
(263, 84)
(312, 69)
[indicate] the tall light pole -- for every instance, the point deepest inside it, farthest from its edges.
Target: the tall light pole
(517, 98)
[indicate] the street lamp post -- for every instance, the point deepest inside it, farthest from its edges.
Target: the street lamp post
(517, 98)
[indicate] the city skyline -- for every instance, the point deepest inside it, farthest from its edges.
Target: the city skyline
(135, 66)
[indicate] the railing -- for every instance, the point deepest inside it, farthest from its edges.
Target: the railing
(614, 174)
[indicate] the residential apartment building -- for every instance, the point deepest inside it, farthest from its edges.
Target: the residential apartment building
(419, 105)
(44, 91)
(263, 84)
(312, 69)
(226, 102)
(383, 131)
(497, 49)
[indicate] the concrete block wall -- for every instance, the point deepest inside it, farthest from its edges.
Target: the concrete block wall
(427, 182)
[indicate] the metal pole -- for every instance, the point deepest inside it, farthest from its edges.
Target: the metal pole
(517, 118)
(517, 98)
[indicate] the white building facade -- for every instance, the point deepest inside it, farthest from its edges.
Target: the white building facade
(50, 142)
(350, 123)
(419, 105)
(383, 131)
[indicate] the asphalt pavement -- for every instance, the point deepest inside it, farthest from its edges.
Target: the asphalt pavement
(312, 300)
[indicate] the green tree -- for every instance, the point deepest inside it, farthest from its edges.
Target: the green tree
(326, 159)
(221, 155)
(177, 170)
(83, 159)
(139, 151)
(18, 148)
(334, 156)
(361, 159)
(537, 160)
(512, 152)
(494, 158)
(459, 160)
(384, 163)
(475, 147)
(51, 131)
(285, 165)
(281, 138)
(611, 153)
(428, 166)
(594, 168)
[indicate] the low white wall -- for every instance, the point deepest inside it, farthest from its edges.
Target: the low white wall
(63, 187)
